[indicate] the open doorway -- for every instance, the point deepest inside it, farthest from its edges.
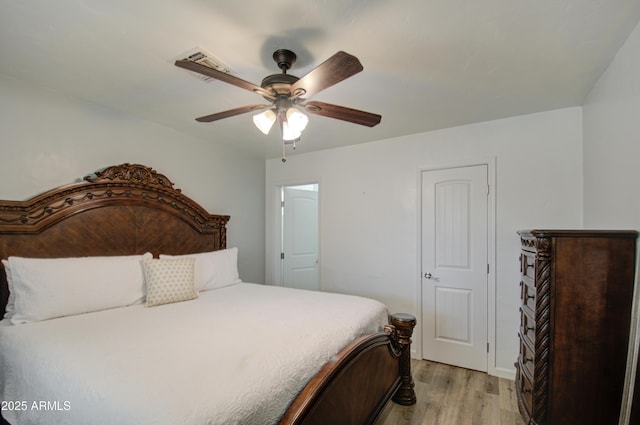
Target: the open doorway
(299, 236)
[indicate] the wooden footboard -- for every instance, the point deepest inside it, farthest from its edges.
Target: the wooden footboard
(353, 388)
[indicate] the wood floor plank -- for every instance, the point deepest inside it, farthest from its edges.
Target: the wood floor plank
(508, 399)
(449, 395)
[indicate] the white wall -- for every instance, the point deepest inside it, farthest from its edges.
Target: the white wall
(47, 139)
(612, 142)
(611, 151)
(369, 205)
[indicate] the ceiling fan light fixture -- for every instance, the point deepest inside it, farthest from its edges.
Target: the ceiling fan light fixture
(289, 133)
(264, 120)
(296, 119)
(288, 94)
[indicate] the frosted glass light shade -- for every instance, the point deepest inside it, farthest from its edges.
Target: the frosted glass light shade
(264, 121)
(288, 133)
(297, 120)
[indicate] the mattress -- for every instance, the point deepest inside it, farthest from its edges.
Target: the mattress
(235, 355)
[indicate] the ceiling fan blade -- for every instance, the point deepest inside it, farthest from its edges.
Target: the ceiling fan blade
(343, 113)
(222, 76)
(232, 113)
(335, 69)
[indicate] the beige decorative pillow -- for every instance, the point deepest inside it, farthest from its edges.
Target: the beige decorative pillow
(169, 280)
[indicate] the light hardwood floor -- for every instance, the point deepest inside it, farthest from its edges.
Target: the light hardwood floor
(449, 395)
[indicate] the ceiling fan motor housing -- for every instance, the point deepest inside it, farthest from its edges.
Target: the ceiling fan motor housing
(279, 83)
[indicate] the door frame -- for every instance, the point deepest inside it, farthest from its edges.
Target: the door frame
(274, 229)
(490, 162)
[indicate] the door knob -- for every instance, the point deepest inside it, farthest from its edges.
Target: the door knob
(429, 276)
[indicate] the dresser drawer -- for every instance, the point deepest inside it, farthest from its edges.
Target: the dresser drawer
(528, 295)
(527, 327)
(527, 265)
(527, 358)
(524, 388)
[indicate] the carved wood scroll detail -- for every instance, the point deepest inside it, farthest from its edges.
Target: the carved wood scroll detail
(543, 329)
(132, 173)
(133, 184)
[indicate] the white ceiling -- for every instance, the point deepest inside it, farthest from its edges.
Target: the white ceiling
(428, 64)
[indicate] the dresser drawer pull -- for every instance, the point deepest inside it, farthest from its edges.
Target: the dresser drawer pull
(520, 260)
(525, 360)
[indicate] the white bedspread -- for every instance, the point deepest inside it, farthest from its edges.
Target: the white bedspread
(236, 355)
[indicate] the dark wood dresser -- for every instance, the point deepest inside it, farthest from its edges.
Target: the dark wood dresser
(576, 291)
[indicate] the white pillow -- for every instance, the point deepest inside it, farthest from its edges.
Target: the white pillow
(45, 288)
(169, 280)
(215, 269)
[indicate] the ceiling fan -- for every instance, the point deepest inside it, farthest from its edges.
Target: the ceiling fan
(288, 94)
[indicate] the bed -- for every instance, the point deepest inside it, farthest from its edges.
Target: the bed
(223, 351)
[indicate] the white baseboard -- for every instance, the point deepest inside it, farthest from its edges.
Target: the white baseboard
(503, 373)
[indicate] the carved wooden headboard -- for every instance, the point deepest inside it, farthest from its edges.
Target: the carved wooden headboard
(123, 210)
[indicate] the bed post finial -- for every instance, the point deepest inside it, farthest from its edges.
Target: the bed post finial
(404, 324)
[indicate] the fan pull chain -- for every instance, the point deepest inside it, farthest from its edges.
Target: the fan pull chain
(284, 157)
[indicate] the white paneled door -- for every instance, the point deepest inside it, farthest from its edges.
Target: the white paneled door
(454, 266)
(300, 238)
